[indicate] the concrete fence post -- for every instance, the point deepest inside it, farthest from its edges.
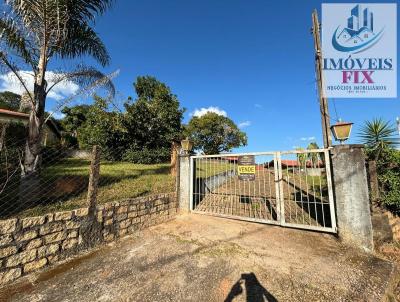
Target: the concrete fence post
(350, 183)
(184, 183)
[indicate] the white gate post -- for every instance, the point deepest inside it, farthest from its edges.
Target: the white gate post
(184, 186)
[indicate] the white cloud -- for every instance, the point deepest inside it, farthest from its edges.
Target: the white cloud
(244, 124)
(9, 82)
(203, 111)
(310, 138)
(258, 106)
(57, 115)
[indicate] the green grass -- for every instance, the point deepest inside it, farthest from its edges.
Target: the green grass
(64, 184)
(207, 168)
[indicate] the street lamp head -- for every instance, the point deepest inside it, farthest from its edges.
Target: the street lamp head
(341, 131)
(187, 145)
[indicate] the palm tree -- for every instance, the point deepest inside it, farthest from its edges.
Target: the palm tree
(301, 157)
(378, 135)
(33, 33)
(313, 156)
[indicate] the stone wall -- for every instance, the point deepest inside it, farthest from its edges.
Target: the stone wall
(29, 244)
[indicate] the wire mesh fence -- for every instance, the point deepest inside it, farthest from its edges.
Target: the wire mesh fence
(61, 181)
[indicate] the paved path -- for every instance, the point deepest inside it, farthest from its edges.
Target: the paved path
(202, 258)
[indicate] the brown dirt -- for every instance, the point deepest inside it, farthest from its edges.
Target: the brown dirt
(202, 258)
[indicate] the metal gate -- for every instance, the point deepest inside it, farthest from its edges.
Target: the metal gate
(291, 188)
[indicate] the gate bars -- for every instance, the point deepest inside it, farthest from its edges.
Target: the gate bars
(291, 188)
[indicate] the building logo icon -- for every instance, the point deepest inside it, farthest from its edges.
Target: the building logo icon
(359, 34)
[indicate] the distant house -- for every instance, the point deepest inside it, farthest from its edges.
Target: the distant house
(51, 134)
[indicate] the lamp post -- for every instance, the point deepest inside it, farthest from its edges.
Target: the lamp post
(398, 124)
(341, 131)
(187, 146)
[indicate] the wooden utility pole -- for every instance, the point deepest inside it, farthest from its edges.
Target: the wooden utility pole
(323, 101)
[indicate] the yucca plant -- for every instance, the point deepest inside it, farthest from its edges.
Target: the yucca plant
(377, 135)
(34, 33)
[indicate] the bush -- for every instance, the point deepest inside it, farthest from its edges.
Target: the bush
(147, 156)
(69, 141)
(388, 166)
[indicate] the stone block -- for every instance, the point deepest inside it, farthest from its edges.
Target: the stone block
(109, 213)
(34, 244)
(49, 217)
(132, 208)
(125, 223)
(108, 222)
(81, 212)
(35, 265)
(53, 258)
(54, 237)
(63, 215)
(122, 217)
(8, 226)
(33, 221)
(48, 250)
(21, 258)
(72, 234)
(99, 216)
(10, 275)
(132, 214)
(8, 251)
(51, 228)
(25, 236)
(69, 244)
(5, 239)
(72, 224)
(122, 209)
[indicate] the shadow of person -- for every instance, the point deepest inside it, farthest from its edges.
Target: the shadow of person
(255, 292)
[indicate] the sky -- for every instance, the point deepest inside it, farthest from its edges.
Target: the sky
(250, 60)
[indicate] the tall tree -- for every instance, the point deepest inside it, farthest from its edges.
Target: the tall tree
(378, 135)
(9, 100)
(213, 133)
(154, 120)
(103, 128)
(74, 118)
(34, 33)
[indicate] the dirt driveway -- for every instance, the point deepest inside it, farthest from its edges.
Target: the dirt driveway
(202, 258)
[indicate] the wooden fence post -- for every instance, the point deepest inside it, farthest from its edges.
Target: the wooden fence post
(93, 181)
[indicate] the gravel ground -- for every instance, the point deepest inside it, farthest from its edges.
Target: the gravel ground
(202, 258)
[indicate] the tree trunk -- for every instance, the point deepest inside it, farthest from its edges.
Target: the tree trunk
(30, 169)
